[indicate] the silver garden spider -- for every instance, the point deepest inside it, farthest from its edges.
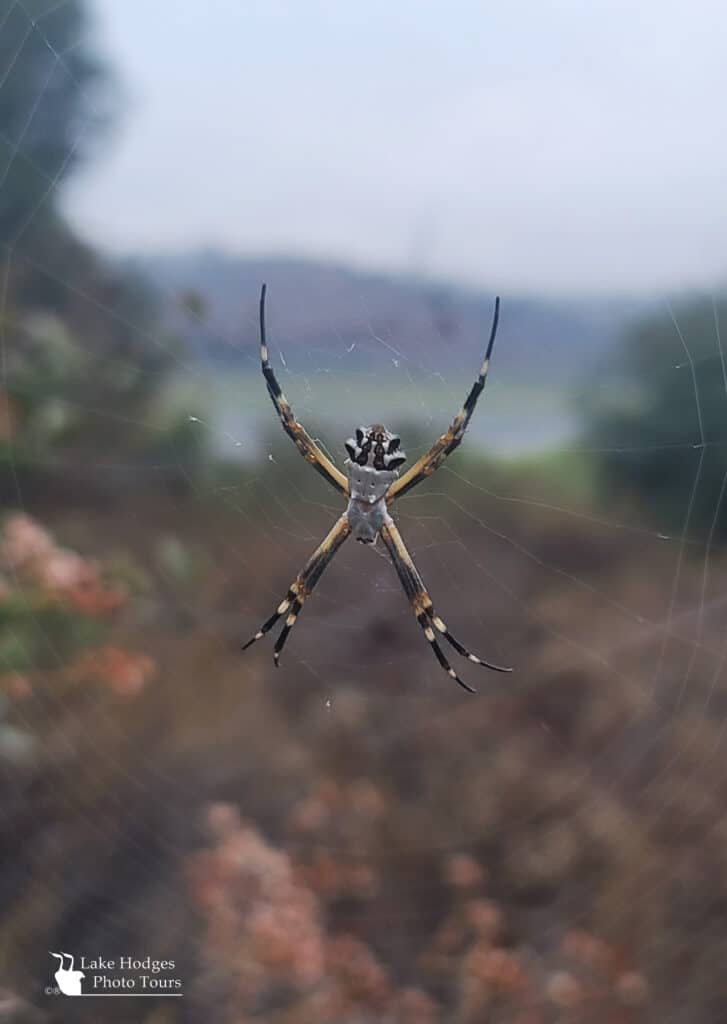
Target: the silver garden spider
(371, 485)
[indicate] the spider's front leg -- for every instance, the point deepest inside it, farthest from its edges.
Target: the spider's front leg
(292, 427)
(422, 605)
(452, 438)
(302, 586)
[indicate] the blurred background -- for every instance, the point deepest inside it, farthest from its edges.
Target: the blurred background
(352, 838)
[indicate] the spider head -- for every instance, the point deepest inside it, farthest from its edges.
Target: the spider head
(375, 446)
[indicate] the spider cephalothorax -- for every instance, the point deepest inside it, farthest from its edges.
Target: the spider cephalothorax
(371, 470)
(375, 446)
(371, 485)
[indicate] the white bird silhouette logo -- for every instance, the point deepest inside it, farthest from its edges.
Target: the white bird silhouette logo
(69, 981)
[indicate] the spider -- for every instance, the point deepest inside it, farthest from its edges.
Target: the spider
(371, 485)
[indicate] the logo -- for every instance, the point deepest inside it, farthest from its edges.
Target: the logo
(69, 981)
(122, 976)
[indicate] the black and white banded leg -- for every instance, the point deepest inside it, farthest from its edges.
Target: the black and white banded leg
(423, 608)
(302, 586)
(452, 438)
(295, 430)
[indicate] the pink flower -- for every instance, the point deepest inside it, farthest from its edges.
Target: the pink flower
(63, 569)
(124, 672)
(24, 542)
(16, 685)
(564, 990)
(463, 871)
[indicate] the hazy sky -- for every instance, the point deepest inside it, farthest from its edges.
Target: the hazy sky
(551, 146)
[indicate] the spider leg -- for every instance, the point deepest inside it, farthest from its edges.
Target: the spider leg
(452, 438)
(295, 430)
(422, 605)
(460, 648)
(302, 586)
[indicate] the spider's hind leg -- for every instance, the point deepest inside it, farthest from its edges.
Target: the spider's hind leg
(269, 623)
(302, 586)
(423, 620)
(422, 605)
(460, 648)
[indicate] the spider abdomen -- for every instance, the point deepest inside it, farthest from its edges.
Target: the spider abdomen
(366, 507)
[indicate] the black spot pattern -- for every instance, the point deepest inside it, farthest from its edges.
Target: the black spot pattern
(375, 446)
(378, 440)
(363, 456)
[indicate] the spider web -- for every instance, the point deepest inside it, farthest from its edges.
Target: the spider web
(612, 723)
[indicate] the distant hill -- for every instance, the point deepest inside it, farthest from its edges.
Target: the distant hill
(339, 313)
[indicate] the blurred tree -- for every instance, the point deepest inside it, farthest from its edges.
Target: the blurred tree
(53, 102)
(80, 333)
(665, 392)
(193, 303)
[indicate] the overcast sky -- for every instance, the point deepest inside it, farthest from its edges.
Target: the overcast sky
(548, 146)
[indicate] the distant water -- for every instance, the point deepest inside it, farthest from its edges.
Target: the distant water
(237, 414)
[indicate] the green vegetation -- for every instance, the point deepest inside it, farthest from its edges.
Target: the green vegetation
(68, 85)
(653, 404)
(80, 335)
